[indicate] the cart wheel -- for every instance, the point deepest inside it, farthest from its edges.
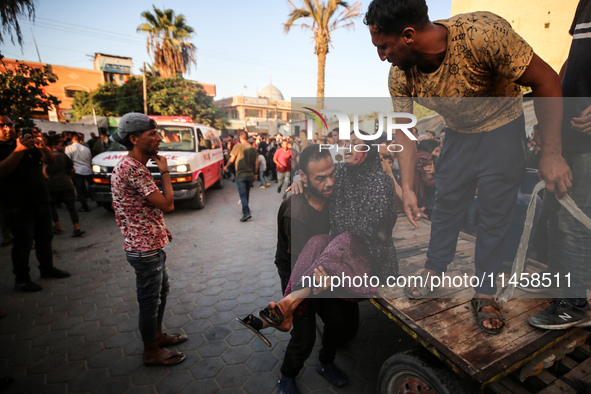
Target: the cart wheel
(412, 372)
(198, 202)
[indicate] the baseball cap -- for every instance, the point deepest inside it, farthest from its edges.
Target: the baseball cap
(131, 123)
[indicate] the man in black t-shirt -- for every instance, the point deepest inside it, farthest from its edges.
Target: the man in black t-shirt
(24, 196)
(569, 251)
(301, 217)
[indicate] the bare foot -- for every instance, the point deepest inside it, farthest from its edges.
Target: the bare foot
(491, 324)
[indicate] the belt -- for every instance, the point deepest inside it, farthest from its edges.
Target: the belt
(139, 254)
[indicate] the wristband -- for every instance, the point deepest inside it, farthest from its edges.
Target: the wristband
(165, 172)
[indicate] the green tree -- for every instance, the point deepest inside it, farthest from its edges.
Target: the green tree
(166, 96)
(168, 41)
(323, 17)
(178, 96)
(21, 92)
(10, 10)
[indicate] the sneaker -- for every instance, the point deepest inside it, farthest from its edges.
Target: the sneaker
(262, 187)
(27, 286)
(55, 273)
(287, 386)
(245, 217)
(268, 184)
(279, 189)
(334, 375)
(561, 314)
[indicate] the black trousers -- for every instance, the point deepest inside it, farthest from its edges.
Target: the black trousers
(29, 224)
(81, 184)
(341, 322)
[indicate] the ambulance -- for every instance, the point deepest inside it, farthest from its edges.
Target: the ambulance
(194, 155)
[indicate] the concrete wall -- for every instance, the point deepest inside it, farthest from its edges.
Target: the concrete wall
(544, 24)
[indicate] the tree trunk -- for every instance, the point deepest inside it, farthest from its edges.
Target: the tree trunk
(321, 71)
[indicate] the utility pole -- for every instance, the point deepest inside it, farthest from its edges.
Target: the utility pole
(145, 91)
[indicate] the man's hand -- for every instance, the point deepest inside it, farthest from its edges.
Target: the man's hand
(412, 211)
(554, 170)
(297, 185)
(25, 142)
(322, 278)
(582, 124)
(160, 162)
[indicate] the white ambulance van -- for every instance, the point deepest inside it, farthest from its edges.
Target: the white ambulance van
(194, 155)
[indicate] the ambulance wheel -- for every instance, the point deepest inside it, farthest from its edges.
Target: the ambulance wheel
(198, 202)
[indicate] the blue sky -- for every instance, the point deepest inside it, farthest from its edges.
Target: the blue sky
(238, 44)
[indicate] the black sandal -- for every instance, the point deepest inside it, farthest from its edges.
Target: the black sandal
(479, 303)
(272, 316)
(254, 324)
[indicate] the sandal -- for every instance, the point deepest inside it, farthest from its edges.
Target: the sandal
(479, 303)
(254, 324)
(272, 316)
(175, 339)
(163, 362)
(424, 290)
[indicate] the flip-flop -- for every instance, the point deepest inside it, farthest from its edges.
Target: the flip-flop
(180, 339)
(272, 316)
(479, 303)
(161, 363)
(254, 324)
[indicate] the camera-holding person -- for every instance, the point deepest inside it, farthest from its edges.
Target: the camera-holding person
(25, 199)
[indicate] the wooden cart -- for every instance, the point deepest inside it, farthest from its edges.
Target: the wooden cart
(456, 355)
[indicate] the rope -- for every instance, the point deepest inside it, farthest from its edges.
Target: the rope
(518, 263)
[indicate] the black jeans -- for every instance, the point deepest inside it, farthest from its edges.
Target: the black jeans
(80, 183)
(28, 224)
(341, 322)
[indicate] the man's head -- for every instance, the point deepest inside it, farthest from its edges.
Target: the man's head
(431, 135)
(393, 25)
(7, 131)
(138, 131)
(388, 159)
(57, 142)
(333, 136)
(243, 136)
(317, 171)
(284, 144)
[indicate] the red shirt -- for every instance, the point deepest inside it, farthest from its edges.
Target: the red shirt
(141, 223)
(283, 158)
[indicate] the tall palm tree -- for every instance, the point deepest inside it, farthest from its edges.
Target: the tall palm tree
(10, 10)
(323, 18)
(168, 41)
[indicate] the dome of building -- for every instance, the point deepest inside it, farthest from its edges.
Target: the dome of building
(271, 92)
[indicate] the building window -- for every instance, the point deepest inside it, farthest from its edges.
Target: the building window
(270, 114)
(253, 113)
(294, 116)
(71, 93)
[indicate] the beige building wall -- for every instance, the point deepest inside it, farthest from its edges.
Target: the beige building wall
(544, 24)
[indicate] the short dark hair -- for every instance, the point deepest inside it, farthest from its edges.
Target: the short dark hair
(243, 135)
(312, 153)
(388, 157)
(393, 16)
(432, 133)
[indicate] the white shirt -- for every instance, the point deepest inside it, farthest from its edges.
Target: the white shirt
(81, 156)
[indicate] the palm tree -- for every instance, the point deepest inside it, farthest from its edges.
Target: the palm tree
(10, 10)
(167, 41)
(323, 20)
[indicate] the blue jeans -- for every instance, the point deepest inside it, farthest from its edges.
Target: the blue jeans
(152, 289)
(244, 185)
(29, 224)
(263, 178)
(569, 249)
